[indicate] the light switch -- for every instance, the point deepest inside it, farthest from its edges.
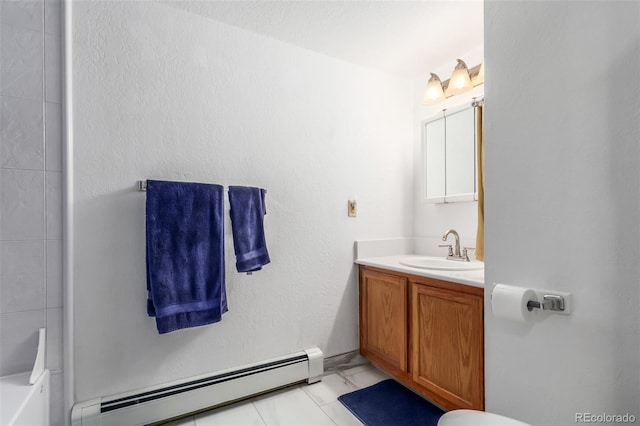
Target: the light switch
(352, 208)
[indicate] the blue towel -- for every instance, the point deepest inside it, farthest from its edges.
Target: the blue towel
(185, 254)
(247, 224)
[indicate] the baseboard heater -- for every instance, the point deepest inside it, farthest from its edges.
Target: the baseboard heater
(158, 403)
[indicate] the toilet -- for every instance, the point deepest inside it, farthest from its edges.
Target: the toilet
(477, 418)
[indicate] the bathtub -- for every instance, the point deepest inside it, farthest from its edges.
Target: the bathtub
(23, 403)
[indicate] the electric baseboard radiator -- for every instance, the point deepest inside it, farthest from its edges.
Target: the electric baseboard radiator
(159, 403)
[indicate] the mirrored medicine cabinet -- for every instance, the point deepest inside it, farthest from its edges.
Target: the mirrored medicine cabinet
(449, 154)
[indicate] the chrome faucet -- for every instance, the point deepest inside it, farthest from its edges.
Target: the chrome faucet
(454, 254)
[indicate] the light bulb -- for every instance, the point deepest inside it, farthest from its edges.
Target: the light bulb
(460, 81)
(433, 93)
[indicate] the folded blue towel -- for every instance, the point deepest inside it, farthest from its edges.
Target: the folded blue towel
(247, 217)
(185, 254)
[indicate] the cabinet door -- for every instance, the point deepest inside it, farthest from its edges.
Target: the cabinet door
(449, 149)
(383, 318)
(447, 345)
(461, 155)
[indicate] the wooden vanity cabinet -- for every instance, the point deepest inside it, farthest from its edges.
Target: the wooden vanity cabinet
(427, 333)
(447, 345)
(383, 319)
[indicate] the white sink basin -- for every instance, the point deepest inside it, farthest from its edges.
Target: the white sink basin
(440, 264)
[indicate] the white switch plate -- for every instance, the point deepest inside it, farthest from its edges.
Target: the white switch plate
(352, 208)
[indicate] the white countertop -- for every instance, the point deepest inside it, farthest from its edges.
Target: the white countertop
(392, 263)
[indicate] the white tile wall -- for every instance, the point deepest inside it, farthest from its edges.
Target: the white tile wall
(56, 415)
(21, 65)
(53, 135)
(31, 189)
(22, 203)
(52, 68)
(22, 275)
(53, 194)
(54, 339)
(19, 339)
(52, 15)
(22, 133)
(54, 273)
(23, 14)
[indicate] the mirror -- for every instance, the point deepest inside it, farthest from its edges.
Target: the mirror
(449, 147)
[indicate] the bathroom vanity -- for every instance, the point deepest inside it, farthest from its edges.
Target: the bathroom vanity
(425, 328)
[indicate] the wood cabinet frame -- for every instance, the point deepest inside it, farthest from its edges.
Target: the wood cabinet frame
(396, 342)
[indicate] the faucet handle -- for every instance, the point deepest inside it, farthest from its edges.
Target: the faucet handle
(465, 253)
(450, 248)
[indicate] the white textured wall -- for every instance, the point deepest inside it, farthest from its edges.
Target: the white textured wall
(31, 189)
(163, 94)
(562, 205)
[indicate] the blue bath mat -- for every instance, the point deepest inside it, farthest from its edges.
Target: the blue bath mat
(388, 403)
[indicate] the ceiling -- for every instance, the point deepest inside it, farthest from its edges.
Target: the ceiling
(409, 38)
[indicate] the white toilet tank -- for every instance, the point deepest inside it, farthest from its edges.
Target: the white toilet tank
(477, 418)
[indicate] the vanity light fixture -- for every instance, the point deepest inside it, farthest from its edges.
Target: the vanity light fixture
(462, 80)
(434, 92)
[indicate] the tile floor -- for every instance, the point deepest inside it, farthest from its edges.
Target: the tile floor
(302, 405)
